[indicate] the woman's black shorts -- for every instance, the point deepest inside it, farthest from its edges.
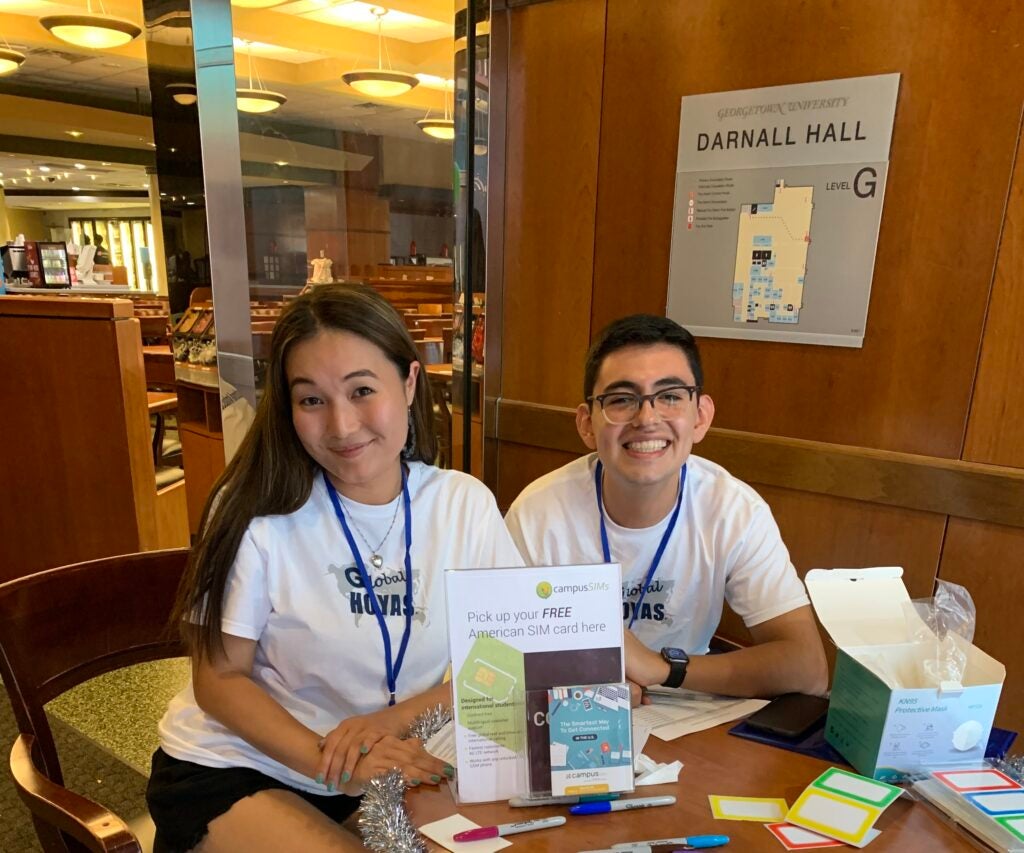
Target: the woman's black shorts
(184, 797)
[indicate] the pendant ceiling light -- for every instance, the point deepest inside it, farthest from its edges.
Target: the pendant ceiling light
(257, 99)
(97, 32)
(183, 93)
(10, 60)
(439, 128)
(380, 82)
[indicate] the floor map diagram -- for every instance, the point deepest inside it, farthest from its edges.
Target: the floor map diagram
(776, 210)
(771, 256)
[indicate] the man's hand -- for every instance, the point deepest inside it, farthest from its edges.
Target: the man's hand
(643, 666)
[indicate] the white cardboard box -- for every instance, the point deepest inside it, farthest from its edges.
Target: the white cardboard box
(883, 716)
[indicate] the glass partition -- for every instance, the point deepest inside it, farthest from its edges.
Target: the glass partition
(346, 145)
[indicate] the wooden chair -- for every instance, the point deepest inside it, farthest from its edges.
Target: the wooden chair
(59, 628)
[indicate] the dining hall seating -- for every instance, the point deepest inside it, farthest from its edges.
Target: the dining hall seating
(78, 473)
(58, 629)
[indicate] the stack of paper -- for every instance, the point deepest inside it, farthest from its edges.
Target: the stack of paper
(675, 713)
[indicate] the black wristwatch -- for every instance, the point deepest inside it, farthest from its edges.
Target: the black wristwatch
(677, 660)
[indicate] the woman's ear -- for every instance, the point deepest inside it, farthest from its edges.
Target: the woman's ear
(410, 382)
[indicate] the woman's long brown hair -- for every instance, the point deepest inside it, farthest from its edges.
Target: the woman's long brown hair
(271, 474)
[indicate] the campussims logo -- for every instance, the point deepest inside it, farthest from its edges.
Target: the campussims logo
(546, 590)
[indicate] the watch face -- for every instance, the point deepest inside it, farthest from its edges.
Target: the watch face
(674, 654)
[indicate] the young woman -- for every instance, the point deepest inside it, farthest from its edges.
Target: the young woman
(314, 602)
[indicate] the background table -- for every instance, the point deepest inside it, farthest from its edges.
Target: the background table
(715, 762)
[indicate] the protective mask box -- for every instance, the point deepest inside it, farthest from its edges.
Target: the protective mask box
(903, 698)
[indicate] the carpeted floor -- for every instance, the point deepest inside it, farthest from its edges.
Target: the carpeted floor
(105, 732)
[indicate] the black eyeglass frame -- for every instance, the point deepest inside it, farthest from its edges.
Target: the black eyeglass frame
(643, 398)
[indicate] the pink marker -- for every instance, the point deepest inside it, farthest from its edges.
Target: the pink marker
(482, 832)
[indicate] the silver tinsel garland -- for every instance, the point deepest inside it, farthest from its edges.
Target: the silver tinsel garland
(1012, 766)
(383, 819)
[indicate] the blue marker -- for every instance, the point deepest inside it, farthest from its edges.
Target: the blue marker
(692, 842)
(622, 805)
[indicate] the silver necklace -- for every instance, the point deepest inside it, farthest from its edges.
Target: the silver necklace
(376, 559)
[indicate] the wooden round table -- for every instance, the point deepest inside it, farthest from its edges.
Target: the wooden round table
(714, 762)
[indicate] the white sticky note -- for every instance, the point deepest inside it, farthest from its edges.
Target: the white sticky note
(442, 831)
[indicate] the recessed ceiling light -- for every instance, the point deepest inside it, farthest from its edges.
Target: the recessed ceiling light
(28, 171)
(74, 133)
(76, 189)
(28, 180)
(44, 168)
(190, 202)
(104, 164)
(163, 195)
(14, 180)
(79, 165)
(92, 177)
(280, 162)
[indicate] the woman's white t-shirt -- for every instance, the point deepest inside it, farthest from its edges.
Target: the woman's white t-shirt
(295, 589)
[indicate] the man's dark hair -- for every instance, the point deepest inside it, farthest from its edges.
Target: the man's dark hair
(639, 330)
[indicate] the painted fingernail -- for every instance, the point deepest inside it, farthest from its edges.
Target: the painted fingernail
(364, 749)
(345, 776)
(414, 782)
(449, 771)
(434, 777)
(319, 778)
(330, 786)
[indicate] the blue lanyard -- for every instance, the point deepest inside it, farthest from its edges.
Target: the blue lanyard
(599, 488)
(393, 666)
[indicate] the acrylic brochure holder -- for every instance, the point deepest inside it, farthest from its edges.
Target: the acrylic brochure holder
(515, 634)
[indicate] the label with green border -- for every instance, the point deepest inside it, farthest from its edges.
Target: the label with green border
(887, 792)
(1013, 823)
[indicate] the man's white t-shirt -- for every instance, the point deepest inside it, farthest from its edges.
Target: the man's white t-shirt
(725, 547)
(295, 589)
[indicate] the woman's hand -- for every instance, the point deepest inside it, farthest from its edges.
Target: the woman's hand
(353, 739)
(416, 764)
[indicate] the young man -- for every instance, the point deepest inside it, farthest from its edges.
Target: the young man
(688, 535)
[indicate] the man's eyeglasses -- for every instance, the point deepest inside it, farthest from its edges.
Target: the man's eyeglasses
(620, 407)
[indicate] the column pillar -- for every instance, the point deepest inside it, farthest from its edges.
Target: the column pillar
(5, 228)
(157, 257)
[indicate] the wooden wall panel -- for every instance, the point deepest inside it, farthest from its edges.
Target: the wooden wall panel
(995, 433)
(956, 128)
(934, 308)
(987, 559)
(554, 93)
(519, 465)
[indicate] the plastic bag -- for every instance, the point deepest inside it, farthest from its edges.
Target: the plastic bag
(936, 622)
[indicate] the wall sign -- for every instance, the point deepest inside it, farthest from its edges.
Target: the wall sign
(778, 201)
